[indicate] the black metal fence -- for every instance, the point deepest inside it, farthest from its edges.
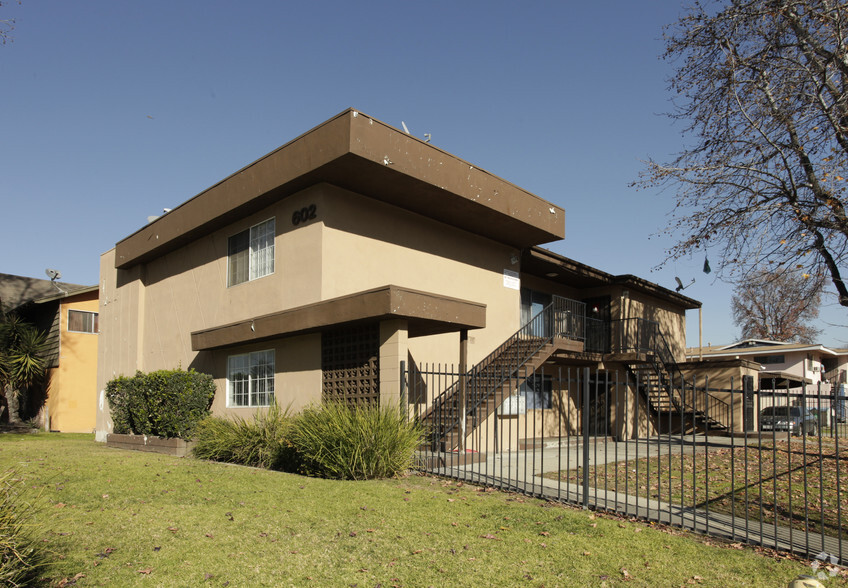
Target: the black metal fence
(739, 469)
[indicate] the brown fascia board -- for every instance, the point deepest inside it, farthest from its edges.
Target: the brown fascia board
(361, 154)
(68, 294)
(538, 261)
(426, 313)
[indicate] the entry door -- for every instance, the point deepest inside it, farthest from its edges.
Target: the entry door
(532, 303)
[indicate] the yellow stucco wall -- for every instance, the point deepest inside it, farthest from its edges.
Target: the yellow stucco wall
(72, 387)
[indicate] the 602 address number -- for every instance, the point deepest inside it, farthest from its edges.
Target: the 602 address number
(306, 213)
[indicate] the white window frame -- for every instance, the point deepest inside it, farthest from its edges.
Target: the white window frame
(257, 388)
(95, 321)
(260, 251)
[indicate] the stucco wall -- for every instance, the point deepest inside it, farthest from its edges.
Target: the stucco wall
(352, 244)
(72, 387)
(367, 244)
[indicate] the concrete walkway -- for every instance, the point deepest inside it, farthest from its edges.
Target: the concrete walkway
(522, 471)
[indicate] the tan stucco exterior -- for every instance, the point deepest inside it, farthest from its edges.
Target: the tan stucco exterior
(371, 227)
(72, 386)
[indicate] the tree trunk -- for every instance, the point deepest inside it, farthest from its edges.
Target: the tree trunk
(9, 408)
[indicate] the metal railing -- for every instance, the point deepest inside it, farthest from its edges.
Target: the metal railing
(639, 335)
(465, 397)
(575, 435)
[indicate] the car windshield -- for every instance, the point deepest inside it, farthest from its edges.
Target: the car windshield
(782, 411)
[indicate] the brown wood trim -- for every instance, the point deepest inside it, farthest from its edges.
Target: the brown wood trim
(426, 313)
(361, 154)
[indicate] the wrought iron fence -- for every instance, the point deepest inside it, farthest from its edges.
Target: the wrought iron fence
(589, 437)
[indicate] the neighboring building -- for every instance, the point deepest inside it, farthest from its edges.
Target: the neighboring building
(783, 365)
(323, 267)
(68, 314)
(788, 373)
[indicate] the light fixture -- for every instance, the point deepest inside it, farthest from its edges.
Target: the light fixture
(552, 274)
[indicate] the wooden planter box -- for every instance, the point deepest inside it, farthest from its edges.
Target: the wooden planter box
(175, 447)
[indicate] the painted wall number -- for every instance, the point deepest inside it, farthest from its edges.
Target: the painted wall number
(306, 213)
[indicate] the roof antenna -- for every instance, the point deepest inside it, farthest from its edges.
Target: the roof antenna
(680, 285)
(54, 275)
(405, 129)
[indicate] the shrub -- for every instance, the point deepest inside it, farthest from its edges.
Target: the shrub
(22, 555)
(336, 440)
(167, 403)
(259, 442)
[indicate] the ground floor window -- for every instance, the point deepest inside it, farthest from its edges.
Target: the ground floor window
(537, 392)
(250, 379)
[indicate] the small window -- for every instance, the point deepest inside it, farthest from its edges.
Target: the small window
(80, 321)
(250, 379)
(537, 392)
(769, 359)
(250, 253)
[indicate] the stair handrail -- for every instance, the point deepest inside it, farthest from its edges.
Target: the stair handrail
(651, 340)
(540, 330)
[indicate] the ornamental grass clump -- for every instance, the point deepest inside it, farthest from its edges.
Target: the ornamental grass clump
(336, 440)
(22, 555)
(259, 442)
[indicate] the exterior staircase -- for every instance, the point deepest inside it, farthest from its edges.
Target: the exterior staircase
(485, 386)
(638, 343)
(661, 384)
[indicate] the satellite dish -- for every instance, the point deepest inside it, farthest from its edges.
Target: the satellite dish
(680, 285)
(53, 274)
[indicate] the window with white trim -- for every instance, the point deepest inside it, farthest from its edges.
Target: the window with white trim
(250, 253)
(250, 379)
(81, 321)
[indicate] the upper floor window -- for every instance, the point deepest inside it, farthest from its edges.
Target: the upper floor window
(770, 359)
(80, 321)
(250, 253)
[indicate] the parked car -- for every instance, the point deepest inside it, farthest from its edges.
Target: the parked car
(793, 419)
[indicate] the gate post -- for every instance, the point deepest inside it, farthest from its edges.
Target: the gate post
(586, 389)
(463, 388)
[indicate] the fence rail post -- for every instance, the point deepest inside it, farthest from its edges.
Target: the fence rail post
(586, 389)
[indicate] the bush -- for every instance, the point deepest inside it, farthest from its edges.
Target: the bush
(167, 403)
(259, 442)
(336, 440)
(22, 555)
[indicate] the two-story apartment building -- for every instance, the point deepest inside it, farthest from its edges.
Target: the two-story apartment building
(323, 268)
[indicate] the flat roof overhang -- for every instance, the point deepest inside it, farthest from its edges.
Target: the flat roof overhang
(777, 380)
(426, 313)
(363, 155)
(546, 264)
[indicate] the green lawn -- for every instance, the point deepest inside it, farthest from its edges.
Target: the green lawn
(121, 518)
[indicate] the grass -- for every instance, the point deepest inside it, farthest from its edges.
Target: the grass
(339, 441)
(259, 441)
(773, 482)
(123, 518)
(22, 553)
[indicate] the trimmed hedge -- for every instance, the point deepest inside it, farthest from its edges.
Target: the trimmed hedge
(166, 403)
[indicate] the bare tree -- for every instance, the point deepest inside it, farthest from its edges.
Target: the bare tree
(762, 86)
(7, 25)
(778, 307)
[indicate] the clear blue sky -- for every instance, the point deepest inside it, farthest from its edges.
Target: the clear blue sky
(111, 111)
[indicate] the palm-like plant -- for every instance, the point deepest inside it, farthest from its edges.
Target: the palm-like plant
(22, 360)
